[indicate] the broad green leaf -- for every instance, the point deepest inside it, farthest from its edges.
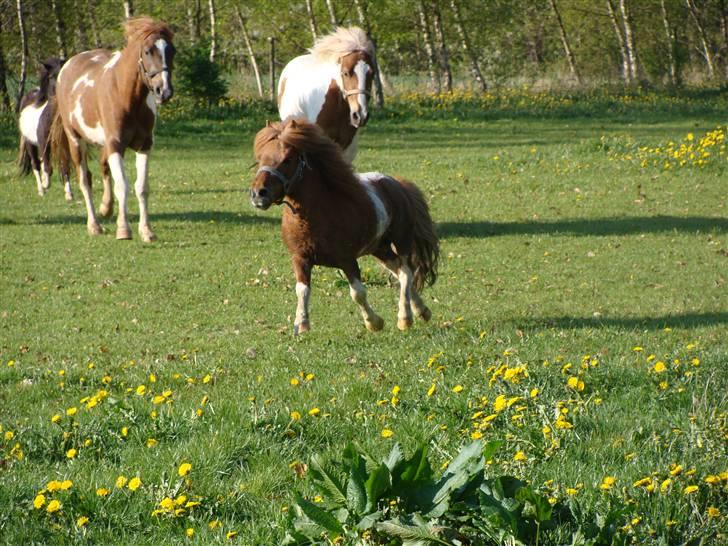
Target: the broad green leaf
(356, 495)
(318, 516)
(394, 458)
(368, 521)
(490, 448)
(418, 534)
(467, 465)
(534, 505)
(328, 481)
(380, 480)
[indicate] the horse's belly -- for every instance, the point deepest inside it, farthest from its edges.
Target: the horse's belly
(30, 121)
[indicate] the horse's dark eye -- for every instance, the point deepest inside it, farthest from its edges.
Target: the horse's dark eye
(148, 52)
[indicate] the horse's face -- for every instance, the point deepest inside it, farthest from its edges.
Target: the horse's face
(49, 74)
(155, 60)
(356, 78)
(278, 164)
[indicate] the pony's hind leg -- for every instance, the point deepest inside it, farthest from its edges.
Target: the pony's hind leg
(78, 156)
(35, 164)
(358, 293)
(404, 275)
(141, 189)
(302, 272)
(107, 200)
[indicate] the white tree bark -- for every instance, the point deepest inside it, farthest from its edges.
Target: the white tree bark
(707, 55)
(629, 43)
(626, 74)
(565, 42)
(467, 47)
(444, 55)
(128, 9)
(213, 31)
(332, 13)
(312, 19)
(429, 48)
(24, 57)
(249, 47)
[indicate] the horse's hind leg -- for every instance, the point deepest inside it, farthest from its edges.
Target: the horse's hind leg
(404, 275)
(46, 167)
(78, 156)
(66, 179)
(107, 200)
(358, 293)
(35, 164)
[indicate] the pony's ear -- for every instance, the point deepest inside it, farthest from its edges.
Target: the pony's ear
(268, 123)
(46, 65)
(293, 124)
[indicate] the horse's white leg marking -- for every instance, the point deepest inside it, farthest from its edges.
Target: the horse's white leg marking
(301, 323)
(404, 314)
(39, 182)
(142, 192)
(67, 187)
(121, 188)
(358, 293)
(107, 200)
(45, 179)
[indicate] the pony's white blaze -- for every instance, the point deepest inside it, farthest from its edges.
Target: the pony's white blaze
(29, 120)
(93, 134)
(162, 47)
(383, 219)
(361, 69)
(114, 59)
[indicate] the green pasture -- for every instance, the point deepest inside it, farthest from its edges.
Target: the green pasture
(569, 250)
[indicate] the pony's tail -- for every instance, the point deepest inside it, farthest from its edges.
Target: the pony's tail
(24, 164)
(60, 151)
(426, 248)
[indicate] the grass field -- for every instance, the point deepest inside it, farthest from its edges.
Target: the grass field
(580, 316)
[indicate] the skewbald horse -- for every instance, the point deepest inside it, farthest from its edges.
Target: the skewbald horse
(331, 86)
(36, 115)
(334, 216)
(110, 100)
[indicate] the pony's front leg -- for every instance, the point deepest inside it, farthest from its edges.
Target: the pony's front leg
(32, 150)
(142, 192)
(302, 272)
(121, 189)
(358, 293)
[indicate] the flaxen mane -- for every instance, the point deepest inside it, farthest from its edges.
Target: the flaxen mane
(140, 28)
(322, 152)
(342, 41)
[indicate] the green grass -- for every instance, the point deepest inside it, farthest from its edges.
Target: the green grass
(553, 247)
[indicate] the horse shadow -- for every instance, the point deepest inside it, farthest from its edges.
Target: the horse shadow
(202, 217)
(681, 320)
(585, 227)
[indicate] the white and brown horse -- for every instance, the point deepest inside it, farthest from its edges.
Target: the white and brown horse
(334, 216)
(331, 86)
(36, 115)
(110, 100)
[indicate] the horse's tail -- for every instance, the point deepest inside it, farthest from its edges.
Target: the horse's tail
(24, 164)
(426, 247)
(58, 141)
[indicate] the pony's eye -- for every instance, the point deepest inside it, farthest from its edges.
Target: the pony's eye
(148, 52)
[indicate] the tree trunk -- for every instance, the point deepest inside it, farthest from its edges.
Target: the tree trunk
(193, 20)
(272, 69)
(442, 46)
(429, 48)
(465, 41)
(629, 40)
(332, 13)
(213, 31)
(249, 46)
(60, 30)
(24, 53)
(94, 27)
(565, 42)
(312, 19)
(671, 49)
(81, 31)
(4, 95)
(379, 81)
(128, 9)
(626, 75)
(703, 37)
(724, 33)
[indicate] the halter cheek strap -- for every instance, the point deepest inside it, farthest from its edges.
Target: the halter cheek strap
(357, 92)
(287, 182)
(149, 75)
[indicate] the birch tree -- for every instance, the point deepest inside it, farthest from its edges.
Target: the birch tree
(332, 13)
(60, 29)
(707, 55)
(213, 30)
(24, 54)
(467, 47)
(629, 42)
(128, 9)
(626, 73)
(312, 19)
(249, 47)
(565, 42)
(671, 39)
(4, 95)
(429, 47)
(444, 56)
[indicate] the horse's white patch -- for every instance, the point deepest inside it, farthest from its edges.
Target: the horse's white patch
(303, 292)
(29, 120)
(83, 80)
(114, 59)
(312, 79)
(367, 179)
(92, 134)
(96, 58)
(361, 70)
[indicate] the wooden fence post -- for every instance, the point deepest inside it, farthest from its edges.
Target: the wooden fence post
(272, 68)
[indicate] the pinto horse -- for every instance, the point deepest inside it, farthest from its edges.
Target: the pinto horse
(335, 216)
(331, 86)
(36, 115)
(110, 100)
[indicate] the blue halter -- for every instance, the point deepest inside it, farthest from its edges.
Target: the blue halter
(287, 182)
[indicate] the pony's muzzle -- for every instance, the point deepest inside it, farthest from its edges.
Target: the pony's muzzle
(358, 119)
(163, 93)
(260, 198)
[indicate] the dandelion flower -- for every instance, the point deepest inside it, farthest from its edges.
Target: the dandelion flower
(82, 521)
(151, 442)
(190, 532)
(9, 435)
(214, 524)
(387, 433)
(121, 481)
(231, 535)
(432, 390)
(659, 367)
(314, 412)
(39, 501)
(141, 390)
(184, 469)
(66, 484)
(713, 512)
(295, 415)
(690, 489)
(665, 485)
(71, 411)
(520, 456)
(676, 469)
(457, 389)
(56, 419)
(476, 435)
(54, 485)
(102, 492)
(534, 392)
(134, 483)
(71, 453)
(53, 506)
(607, 483)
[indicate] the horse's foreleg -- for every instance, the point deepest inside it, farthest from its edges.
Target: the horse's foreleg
(35, 164)
(358, 293)
(78, 157)
(302, 272)
(107, 200)
(121, 189)
(142, 192)
(46, 167)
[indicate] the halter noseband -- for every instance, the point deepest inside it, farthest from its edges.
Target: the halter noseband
(149, 75)
(287, 182)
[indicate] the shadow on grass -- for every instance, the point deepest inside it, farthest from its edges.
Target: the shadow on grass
(590, 227)
(683, 320)
(205, 217)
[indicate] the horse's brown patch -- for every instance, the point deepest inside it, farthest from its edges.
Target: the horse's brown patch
(334, 117)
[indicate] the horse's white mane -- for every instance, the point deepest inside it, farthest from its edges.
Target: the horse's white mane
(340, 42)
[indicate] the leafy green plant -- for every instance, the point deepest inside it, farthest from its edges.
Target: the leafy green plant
(198, 77)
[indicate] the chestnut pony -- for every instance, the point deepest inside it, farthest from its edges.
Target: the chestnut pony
(110, 100)
(334, 216)
(331, 86)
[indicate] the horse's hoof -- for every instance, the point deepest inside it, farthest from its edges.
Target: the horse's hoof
(404, 323)
(69, 197)
(41, 193)
(94, 229)
(301, 328)
(374, 325)
(147, 235)
(123, 233)
(104, 210)
(425, 314)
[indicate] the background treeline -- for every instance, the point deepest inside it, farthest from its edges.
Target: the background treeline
(438, 45)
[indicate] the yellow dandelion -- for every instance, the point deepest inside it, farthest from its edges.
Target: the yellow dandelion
(534, 392)
(39, 501)
(184, 469)
(607, 483)
(56, 419)
(387, 433)
(665, 485)
(54, 485)
(141, 390)
(190, 532)
(313, 412)
(713, 512)
(53, 506)
(125, 431)
(476, 435)
(457, 388)
(158, 399)
(71, 453)
(432, 389)
(71, 411)
(659, 367)
(676, 469)
(151, 442)
(690, 489)
(571, 491)
(102, 492)
(66, 485)
(214, 524)
(121, 481)
(295, 415)
(520, 456)
(231, 535)
(82, 521)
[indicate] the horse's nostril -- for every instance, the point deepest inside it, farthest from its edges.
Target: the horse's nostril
(262, 192)
(355, 115)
